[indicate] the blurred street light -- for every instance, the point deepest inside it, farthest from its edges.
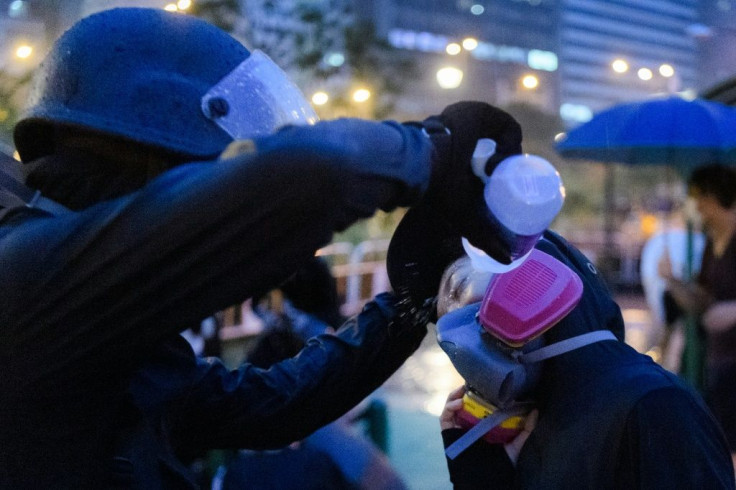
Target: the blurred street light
(361, 95)
(320, 98)
(470, 43)
(179, 6)
(343, 102)
(453, 49)
(23, 51)
(449, 77)
(645, 74)
(666, 70)
(530, 82)
(620, 66)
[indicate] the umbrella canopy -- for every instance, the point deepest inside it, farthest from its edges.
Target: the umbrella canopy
(665, 131)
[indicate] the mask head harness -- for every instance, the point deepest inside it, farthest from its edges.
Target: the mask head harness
(14, 194)
(496, 345)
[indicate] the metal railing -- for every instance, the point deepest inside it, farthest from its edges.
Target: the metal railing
(360, 271)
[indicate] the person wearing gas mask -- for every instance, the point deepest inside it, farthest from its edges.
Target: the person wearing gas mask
(128, 244)
(553, 397)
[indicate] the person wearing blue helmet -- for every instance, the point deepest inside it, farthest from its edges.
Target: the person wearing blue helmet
(175, 173)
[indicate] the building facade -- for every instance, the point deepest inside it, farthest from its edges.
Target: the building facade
(568, 46)
(567, 57)
(716, 35)
(497, 51)
(624, 50)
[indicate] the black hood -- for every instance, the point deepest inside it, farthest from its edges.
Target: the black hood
(596, 310)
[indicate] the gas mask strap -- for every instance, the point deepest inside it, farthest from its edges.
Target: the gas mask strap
(14, 194)
(497, 417)
(480, 429)
(566, 345)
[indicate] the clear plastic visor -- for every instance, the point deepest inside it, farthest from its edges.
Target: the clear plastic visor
(256, 99)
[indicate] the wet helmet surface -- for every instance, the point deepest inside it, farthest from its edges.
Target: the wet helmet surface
(135, 73)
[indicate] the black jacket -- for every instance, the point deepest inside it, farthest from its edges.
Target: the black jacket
(98, 390)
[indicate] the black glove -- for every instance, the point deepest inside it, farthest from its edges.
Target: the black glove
(421, 249)
(428, 237)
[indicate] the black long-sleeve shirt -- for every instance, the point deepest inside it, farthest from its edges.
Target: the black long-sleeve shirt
(90, 300)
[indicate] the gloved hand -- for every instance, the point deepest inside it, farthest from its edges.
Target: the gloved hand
(421, 248)
(428, 238)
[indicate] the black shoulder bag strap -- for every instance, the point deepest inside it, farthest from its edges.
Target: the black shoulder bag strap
(14, 194)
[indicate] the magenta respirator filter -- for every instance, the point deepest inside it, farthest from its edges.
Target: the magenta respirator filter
(521, 304)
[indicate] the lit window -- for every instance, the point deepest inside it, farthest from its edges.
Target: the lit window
(541, 60)
(477, 9)
(18, 9)
(335, 59)
(576, 112)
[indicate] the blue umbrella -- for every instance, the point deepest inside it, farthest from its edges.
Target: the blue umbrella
(666, 131)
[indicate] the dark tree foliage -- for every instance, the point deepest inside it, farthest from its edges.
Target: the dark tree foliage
(222, 13)
(13, 90)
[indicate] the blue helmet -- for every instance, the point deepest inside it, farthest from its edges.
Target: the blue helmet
(139, 74)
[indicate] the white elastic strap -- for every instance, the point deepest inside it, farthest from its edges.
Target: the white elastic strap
(566, 345)
(480, 429)
(496, 418)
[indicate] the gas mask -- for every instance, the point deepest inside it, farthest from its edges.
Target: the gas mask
(496, 344)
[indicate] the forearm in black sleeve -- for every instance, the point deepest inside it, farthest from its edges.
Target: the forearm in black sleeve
(98, 286)
(256, 408)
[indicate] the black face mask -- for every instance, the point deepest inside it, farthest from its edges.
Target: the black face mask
(87, 168)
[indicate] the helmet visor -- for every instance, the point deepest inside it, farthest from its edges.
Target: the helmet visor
(256, 99)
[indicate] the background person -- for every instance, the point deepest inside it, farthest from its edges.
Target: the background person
(712, 296)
